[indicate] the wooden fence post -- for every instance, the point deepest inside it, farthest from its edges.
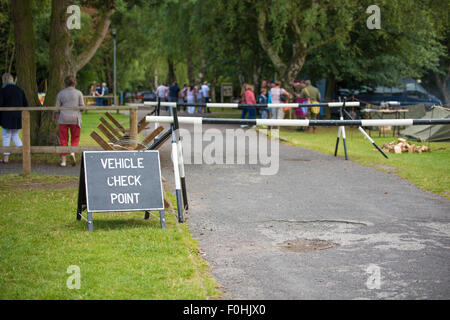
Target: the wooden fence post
(26, 148)
(133, 127)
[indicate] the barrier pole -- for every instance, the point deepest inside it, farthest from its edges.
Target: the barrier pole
(341, 130)
(180, 157)
(300, 123)
(176, 169)
(367, 136)
(26, 147)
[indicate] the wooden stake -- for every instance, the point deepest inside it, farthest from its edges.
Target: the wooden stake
(107, 134)
(116, 123)
(111, 128)
(26, 148)
(149, 138)
(105, 145)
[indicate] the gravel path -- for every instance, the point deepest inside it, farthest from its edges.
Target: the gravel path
(322, 228)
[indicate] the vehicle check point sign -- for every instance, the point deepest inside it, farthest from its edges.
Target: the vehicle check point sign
(123, 180)
(120, 181)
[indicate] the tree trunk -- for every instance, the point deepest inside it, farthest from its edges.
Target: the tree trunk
(61, 45)
(11, 61)
(25, 49)
(172, 77)
(287, 71)
(442, 85)
(213, 86)
(190, 67)
(64, 63)
(331, 83)
(61, 65)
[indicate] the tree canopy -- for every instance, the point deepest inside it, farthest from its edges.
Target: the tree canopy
(232, 40)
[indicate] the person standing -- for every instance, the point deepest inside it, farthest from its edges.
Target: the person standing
(248, 98)
(69, 120)
(200, 100)
(183, 93)
(313, 95)
(205, 90)
(174, 91)
(162, 92)
(105, 92)
(190, 99)
(11, 121)
(93, 89)
(99, 93)
(300, 112)
(277, 95)
(262, 99)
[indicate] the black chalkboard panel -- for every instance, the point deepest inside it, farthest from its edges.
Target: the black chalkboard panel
(122, 181)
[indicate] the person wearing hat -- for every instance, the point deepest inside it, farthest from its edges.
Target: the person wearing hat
(313, 95)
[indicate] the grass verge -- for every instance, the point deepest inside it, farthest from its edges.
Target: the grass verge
(125, 258)
(429, 171)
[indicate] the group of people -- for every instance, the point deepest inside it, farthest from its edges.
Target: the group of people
(191, 94)
(99, 91)
(12, 95)
(272, 93)
(70, 120)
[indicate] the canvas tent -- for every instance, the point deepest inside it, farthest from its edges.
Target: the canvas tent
(429, 133)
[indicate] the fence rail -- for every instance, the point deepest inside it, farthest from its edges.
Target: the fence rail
(27, 149)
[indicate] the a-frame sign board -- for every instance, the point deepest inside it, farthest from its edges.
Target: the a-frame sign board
(120, 181)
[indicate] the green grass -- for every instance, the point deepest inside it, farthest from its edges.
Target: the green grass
(429, 171)
(125, 258)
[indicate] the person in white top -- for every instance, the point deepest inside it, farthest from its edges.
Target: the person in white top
(205, 91)
(200, 98)
(279, 95)
(190, 97)
(162, 92)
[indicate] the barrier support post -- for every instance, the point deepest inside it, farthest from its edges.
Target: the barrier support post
(176, 168)
(341, 130)
(367, 136)
(180, 157)
(26, 147)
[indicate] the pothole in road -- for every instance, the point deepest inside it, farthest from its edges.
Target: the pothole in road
(307, 245)
(312, 235)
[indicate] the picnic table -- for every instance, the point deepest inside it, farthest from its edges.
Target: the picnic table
(382, 112)
(88, 98)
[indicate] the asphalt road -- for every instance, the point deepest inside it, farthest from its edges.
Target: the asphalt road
(321, 228)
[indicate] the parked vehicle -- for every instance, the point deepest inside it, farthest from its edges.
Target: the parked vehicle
(411, 93)
(148, 96)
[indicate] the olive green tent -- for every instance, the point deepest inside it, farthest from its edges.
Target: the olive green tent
(433, 133)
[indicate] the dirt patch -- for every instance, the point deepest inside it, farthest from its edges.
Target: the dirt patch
(308, 245)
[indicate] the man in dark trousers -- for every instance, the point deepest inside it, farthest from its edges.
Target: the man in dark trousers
(11, 121)
(174, 91)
